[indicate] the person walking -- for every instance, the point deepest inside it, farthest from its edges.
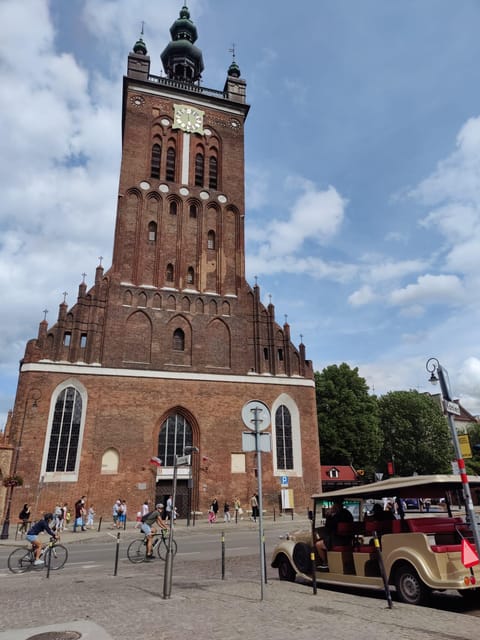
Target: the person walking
(90, 516)
(226, 512)
(215, 507)
(24, 516)
(168, 508)
(254, 506)
(79, 513)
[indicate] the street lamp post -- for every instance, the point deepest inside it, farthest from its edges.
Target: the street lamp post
(440, 374)
(167, 576)
(6, 522)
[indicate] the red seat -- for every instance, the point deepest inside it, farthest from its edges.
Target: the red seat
(365, 548)
(444, 548)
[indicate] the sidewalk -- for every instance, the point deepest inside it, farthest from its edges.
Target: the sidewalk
(284, 522)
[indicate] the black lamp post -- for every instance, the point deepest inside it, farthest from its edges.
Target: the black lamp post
(35, 395)
(440, 374)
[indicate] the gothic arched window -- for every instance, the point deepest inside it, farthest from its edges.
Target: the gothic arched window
(175, 434)
(211, 240)
(169, 273)
(212, 172)
(152, 231)
(178, 343)
(284, 444)
(155, 163)
(199, 170)
(170, 171)
(173, 207)
(190, 275)
(65, 432)
(193, 211)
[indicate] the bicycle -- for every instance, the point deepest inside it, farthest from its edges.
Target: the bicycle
(137, 550)
(22, 559)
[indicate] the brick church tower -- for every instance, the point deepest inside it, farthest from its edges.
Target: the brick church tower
(166, 346)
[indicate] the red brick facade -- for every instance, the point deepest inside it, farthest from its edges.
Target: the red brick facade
(171, 329)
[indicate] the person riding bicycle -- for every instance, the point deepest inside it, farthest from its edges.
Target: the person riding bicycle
(148, 528)
(35, 530)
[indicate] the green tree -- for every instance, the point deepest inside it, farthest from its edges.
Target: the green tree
(473, 464)
(416, 434)
(347, 416)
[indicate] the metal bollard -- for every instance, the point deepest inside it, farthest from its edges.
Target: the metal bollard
(274, 515)
(99, 524)
(117, 550)
(48, 551)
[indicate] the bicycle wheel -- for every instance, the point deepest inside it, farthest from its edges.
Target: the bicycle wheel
(162, 548)
(137, 551)
(57, 555)
(20, 560)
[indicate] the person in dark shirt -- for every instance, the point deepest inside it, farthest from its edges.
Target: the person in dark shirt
(35, 530)
(337, 513)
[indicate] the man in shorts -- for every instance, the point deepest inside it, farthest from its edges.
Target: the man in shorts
(148, 526)
(35, 530)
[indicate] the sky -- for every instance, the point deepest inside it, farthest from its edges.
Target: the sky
(362, 169)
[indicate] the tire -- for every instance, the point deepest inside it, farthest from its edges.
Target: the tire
(137, 551)
(162, 548)
(20, 560)
(57, 556)
(285, 570)
(410, 588)
(301, 558)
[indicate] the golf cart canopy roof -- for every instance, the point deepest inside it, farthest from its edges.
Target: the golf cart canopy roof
(434, 486)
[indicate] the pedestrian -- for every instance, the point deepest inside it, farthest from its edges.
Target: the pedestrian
(58, 517)
(90, 516)
(122, 514)
(79, 512)
(238, 508)
(24, 516)
(211, 515)
(168, 508)
(226, 512)
(254, 506)
(115, 514)
(215, 507)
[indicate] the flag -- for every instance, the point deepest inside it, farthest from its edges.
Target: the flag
(207, 459)
(156, 461)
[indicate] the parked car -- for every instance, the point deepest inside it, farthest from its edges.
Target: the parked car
(419, 554)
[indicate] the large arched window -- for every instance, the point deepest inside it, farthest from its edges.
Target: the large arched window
(212, 172)
(190, 275)
(170, 172)
(199, 170)
(169, 273)
(175, 435)
(65, 432)
(155, 164)
(283, 433)
(211, 240)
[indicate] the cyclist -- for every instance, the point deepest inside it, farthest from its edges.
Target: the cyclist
(35, 530)
(148, 528)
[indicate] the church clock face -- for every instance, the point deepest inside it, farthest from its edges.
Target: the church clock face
(188, 119)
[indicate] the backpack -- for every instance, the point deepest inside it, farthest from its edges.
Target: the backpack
(143, 519)
(22, 515)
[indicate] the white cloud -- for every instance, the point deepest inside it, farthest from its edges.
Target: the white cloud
(429, 289)
(315, 216)
(362, 296)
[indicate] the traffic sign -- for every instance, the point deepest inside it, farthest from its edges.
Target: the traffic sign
(256, 442)
(256, 415)
(469, 555)
(182, 460)
(451, 407)
(284, 481)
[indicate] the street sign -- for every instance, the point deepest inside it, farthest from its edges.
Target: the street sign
(256, 415)
(249, 442)
(451, 407)
(183, 460)
(469, 555)
(465, 448)
(284, 481)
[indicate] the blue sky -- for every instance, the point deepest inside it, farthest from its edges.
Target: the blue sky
(363, 168)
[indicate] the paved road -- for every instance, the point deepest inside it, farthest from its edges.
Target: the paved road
(101, 606)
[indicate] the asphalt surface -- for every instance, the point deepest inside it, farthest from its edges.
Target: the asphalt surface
(98, 605)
